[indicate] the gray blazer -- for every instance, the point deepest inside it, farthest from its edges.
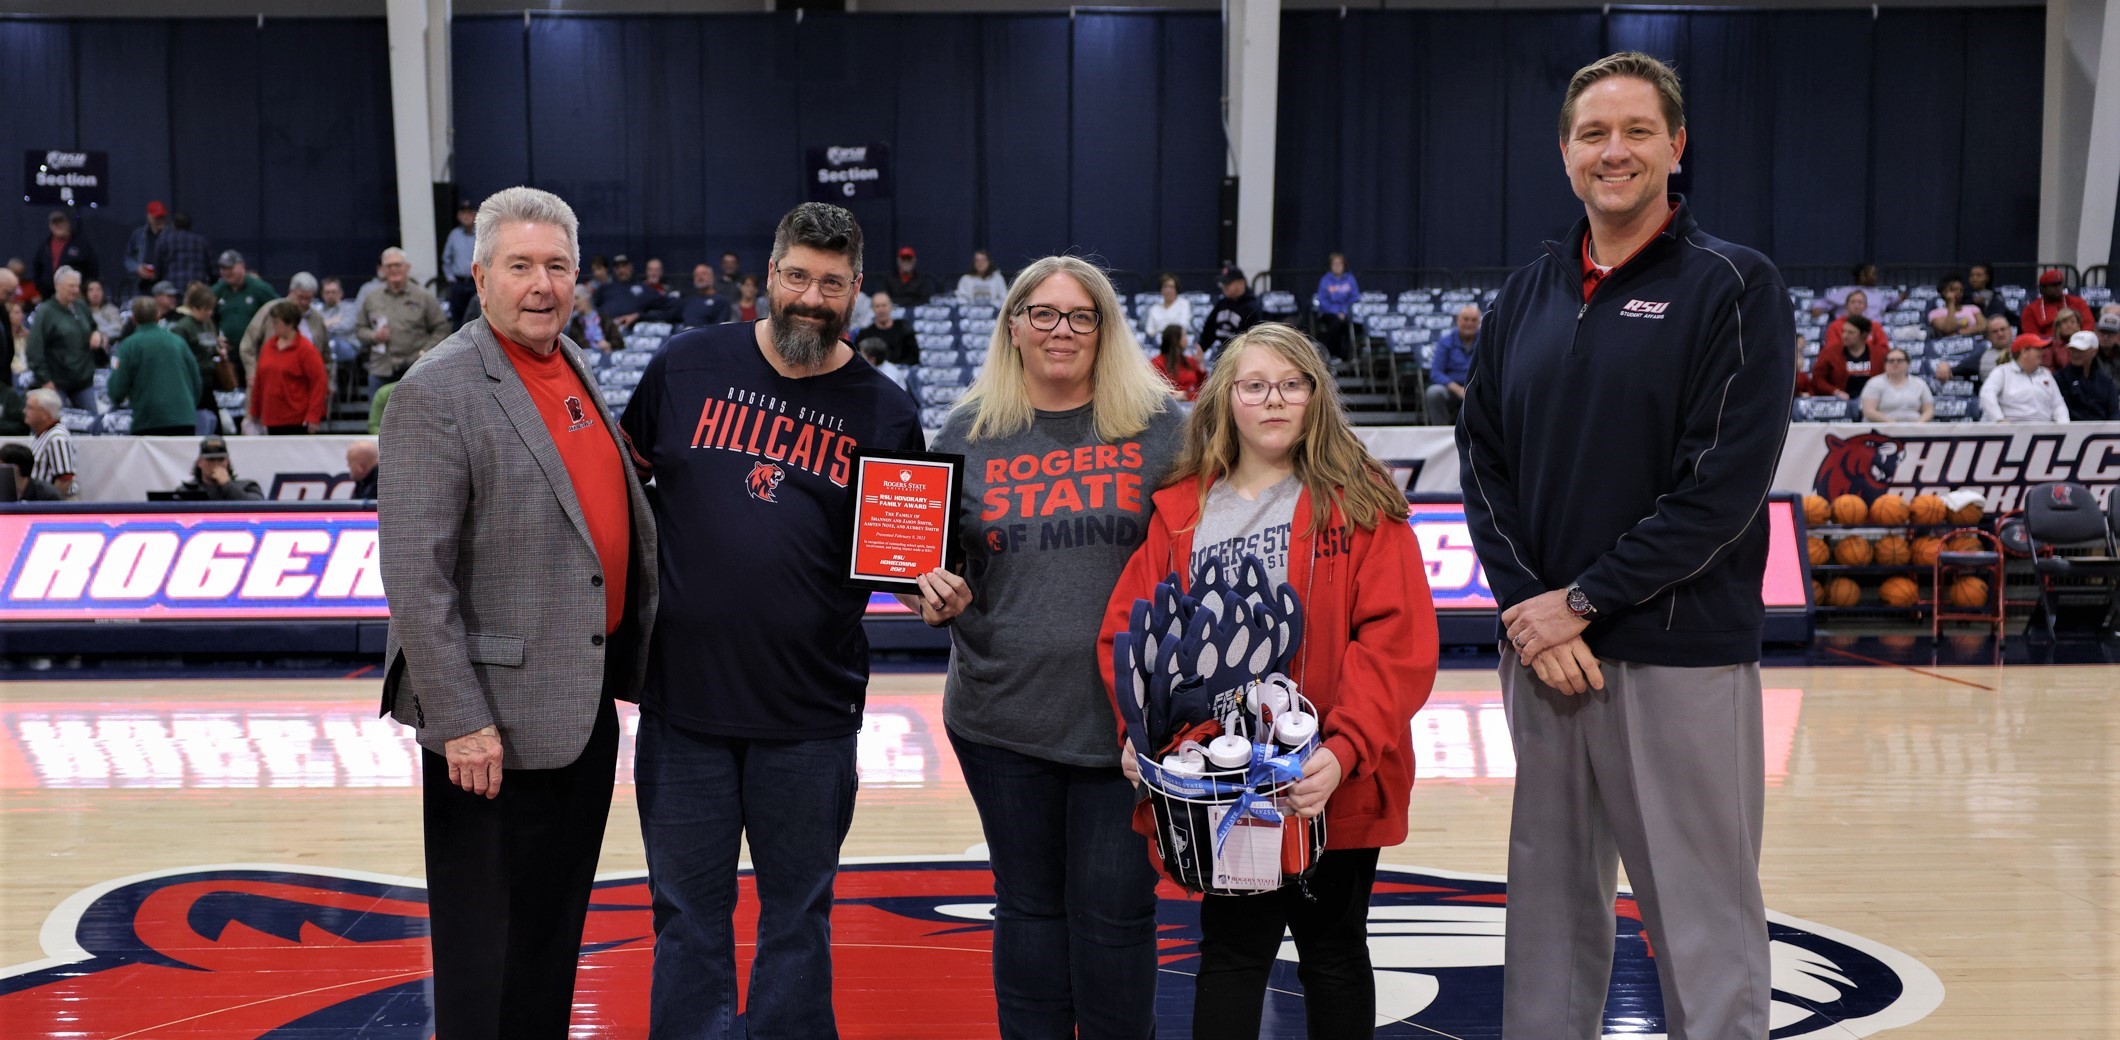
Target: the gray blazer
(496, 593)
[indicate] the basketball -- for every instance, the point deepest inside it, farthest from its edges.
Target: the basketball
(1969, 592)
(1850, 510)
(1889, 510)
(1899, 592)
(1969, 513)
(1965, 543)
(1818, 591)
(1928, 509)
(1819, 552)
(1891, 551)
(1843, 592)
(1855, 552)
(1925, 549)
(1816, 510)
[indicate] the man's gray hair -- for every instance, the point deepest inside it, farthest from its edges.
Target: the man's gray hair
(522, 205)
(393, 253)
(46, 398)
(65, 274)
(302, 281)
(820, 226)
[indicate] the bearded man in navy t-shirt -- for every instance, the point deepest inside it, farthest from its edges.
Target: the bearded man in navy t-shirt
(758, 669)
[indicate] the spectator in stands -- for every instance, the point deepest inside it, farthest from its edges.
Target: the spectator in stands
(2066, 325)
(17, 335)
(2023, 390)
(214, 475)
(364, 465)
(651, 276)
(663, 303)
(238, 296)
(1337, 293)
(456, 264)
(1857, 305)
(620, 301)
(140, 248)
(599, 273)
(302, 292)
(747, 298)
(103, 312)
(2109, 339)
(9, 283)
(195, 326)
(180, 254)
(1980, 291)
(398, 322)
(1999, 334)
(706, 305)
(2037, 318)
(370, 287)
(1953, 316)
(24, 291)
(900, 345)
(618, 287)
(1237, 310)
(909, 286)
(731, 278)
(2086, 386)
(585, 328)
(1179, 364)
(290, 389)
(156, 375)
(61, 248)
(1803, 370)
(27, 488)
(1451, 365)
(875, 353)
(1897, 396)
(341, 317)
(1865, 275)
(51, 446)
(62, 341)
(982, 284)
(167, 298)
(1845, 364)
(1169, 309)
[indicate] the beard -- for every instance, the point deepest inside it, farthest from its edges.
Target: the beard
(804, 344)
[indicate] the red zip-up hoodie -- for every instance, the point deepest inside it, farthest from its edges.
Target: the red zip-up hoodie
(1367, 659)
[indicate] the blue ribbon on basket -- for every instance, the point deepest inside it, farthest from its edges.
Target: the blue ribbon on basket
(1267, 770)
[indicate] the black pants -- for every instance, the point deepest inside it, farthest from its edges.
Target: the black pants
(508, 886)
(1336, 335)
(294, 429)
(1240, 936)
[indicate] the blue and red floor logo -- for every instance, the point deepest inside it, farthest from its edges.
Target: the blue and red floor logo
(274, 952)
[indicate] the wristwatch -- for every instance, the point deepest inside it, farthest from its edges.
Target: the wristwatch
(1579, 603)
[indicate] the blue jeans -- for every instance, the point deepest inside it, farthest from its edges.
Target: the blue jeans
(1075, 914)
(699, 795)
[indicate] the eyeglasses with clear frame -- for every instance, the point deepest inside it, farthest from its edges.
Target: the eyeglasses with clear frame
(798, 281)
(1295, 390)
(1046, 319)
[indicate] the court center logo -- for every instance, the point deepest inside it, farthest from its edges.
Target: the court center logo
(246, 952)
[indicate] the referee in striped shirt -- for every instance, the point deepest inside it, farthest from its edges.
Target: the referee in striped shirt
(50, 446)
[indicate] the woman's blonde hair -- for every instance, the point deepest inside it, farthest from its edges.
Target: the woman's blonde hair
(1329, 460)
(1126, 393)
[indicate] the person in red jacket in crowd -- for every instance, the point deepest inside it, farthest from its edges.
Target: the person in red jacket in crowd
(1847, 361)
(1803, 368)
(1858, 306)
(292, 389)
(2037, 318)
(1269, 461)
(1178, 364)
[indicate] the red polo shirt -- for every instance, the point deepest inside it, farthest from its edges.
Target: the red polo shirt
(1593, 277)
(590, 453)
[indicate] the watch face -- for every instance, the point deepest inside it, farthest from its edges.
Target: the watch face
(1579, 602)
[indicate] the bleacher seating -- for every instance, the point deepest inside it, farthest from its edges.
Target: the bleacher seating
(1825, 409)
(1279, 304)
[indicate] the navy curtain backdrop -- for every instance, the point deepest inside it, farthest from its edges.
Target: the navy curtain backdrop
(274, 138)
(1415, 138)
(683, 136)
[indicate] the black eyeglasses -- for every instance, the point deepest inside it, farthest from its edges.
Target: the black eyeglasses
(1255, 391)
(1046, 319)
(799, 281)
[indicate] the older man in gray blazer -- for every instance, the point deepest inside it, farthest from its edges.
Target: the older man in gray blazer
(519, 560)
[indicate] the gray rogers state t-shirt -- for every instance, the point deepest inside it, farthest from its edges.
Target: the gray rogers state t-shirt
(1233, 527)
(1048, 519)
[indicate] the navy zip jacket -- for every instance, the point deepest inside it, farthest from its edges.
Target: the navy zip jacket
(1628, 443)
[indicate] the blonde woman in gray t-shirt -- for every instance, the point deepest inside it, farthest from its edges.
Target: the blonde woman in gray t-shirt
(1066, 434)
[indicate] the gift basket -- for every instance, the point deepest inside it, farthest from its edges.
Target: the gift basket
(1218, 729)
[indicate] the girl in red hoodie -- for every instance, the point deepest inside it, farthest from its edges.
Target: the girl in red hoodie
(1271, 468)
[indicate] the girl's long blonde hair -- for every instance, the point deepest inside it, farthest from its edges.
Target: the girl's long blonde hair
(1329, 460)
(1126, 393)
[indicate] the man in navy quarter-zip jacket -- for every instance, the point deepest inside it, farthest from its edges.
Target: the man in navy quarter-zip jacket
(1627, 404)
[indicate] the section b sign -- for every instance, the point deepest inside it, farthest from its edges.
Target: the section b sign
(842, 172)
(55, 177)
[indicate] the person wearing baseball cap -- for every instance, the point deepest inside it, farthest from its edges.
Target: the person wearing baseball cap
(2086, 386)
(213, 476)
(910, 286)
(2023, 391)
(2109, 340)
(238, 296)
(1238, 309)
(2053, 298)
(140, 248)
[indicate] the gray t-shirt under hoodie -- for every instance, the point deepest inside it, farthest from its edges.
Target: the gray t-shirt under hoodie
(1048, 519)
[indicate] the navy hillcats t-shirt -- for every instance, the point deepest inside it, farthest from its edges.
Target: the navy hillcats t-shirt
(756, 636)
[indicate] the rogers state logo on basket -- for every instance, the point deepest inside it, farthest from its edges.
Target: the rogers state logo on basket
(252, 952)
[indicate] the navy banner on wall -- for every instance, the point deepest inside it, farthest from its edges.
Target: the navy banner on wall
(840, 172)
(55, 177)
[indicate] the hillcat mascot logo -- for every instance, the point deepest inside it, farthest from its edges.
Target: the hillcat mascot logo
(1860, 465)
(246, 952)
(2000, 463)
(765, 478)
